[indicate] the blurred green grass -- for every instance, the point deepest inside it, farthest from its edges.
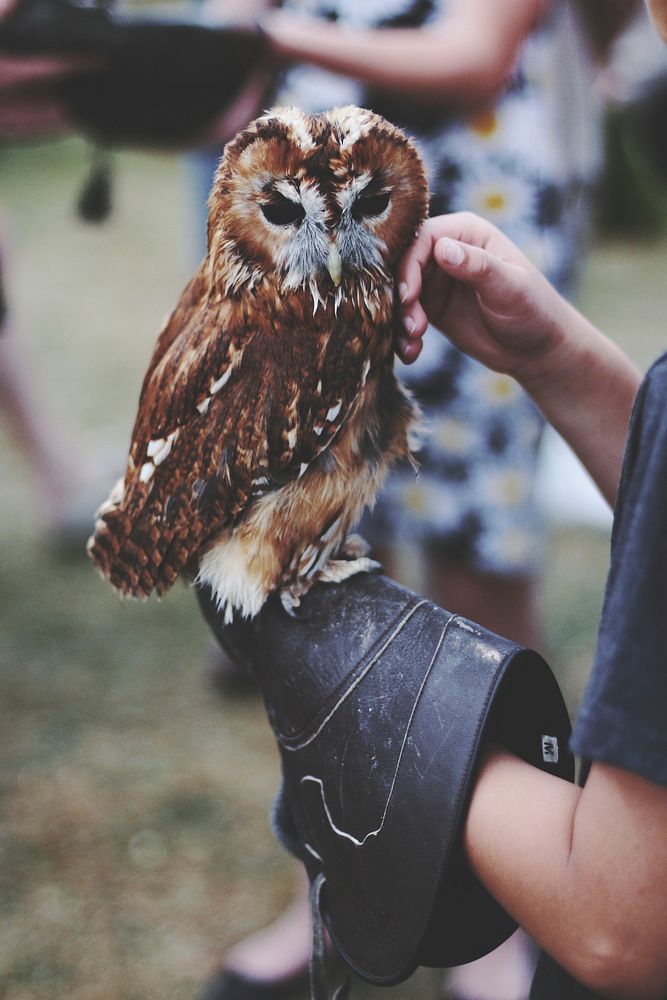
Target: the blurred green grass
(134, 840)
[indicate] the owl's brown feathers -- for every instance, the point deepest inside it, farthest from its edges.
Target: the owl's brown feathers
(269, 412)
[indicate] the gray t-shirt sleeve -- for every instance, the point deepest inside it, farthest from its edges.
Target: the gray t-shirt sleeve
(623, 717)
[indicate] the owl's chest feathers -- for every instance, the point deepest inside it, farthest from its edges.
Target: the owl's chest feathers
(356, 302)
(290, 532)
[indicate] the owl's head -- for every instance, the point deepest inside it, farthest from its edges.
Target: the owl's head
(317, 201)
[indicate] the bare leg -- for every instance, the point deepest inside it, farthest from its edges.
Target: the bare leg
(507, 605)
(505, 974)
(281, 950)
(66, 494)
(46, 456)
(503, 604)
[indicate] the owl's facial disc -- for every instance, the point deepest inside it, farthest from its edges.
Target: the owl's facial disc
(298, 216)
(319, 235)
(326, 203)
(364, 204)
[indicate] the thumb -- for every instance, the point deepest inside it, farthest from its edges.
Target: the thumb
(496, 280)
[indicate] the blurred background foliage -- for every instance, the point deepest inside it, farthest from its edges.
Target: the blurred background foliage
(134, 836)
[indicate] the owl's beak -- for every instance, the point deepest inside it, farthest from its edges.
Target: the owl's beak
(334, 265)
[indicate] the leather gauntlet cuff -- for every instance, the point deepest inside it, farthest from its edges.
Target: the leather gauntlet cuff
(381, 703)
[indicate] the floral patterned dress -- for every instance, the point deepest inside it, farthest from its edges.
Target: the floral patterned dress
(518, 165)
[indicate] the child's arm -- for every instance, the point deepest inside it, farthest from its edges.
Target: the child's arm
(471, 282)
(584, 871)
(462, 59)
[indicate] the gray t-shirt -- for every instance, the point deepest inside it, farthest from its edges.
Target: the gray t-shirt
(623, 718)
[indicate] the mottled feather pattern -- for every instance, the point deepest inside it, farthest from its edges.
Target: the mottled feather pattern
(269, 412)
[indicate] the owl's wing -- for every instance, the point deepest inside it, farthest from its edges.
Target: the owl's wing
(228, 411)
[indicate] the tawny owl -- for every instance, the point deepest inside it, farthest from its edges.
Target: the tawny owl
(270, 412)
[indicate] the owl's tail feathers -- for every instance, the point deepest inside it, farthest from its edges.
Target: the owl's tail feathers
(130, 553)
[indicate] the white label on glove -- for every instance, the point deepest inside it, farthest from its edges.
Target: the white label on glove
(550, 749)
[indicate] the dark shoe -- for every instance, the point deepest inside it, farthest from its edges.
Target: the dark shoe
(230, 985)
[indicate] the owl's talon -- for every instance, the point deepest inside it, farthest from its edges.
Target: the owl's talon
(337, 570)
(354, 547)
(290, 601)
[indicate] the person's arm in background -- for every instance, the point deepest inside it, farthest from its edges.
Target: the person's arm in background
(251, 99)
(584, 871)
(29, 106)
(463, 59)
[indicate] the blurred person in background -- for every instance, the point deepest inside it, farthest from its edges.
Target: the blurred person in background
(29, 110)
(500, 97)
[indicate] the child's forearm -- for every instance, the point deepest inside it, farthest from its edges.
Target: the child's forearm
(585, 387)
(463, 60)
(583, 871)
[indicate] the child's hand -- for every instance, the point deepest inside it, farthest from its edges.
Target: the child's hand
(464, 276)
(471, 282)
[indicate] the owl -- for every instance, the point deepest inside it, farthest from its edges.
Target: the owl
(270, 413)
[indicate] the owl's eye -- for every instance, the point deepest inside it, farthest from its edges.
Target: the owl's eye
(366, 206)
(282, 212)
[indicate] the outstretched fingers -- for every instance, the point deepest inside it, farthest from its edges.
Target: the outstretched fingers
(497, 281)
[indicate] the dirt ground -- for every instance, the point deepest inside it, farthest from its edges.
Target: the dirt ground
(134, 840)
